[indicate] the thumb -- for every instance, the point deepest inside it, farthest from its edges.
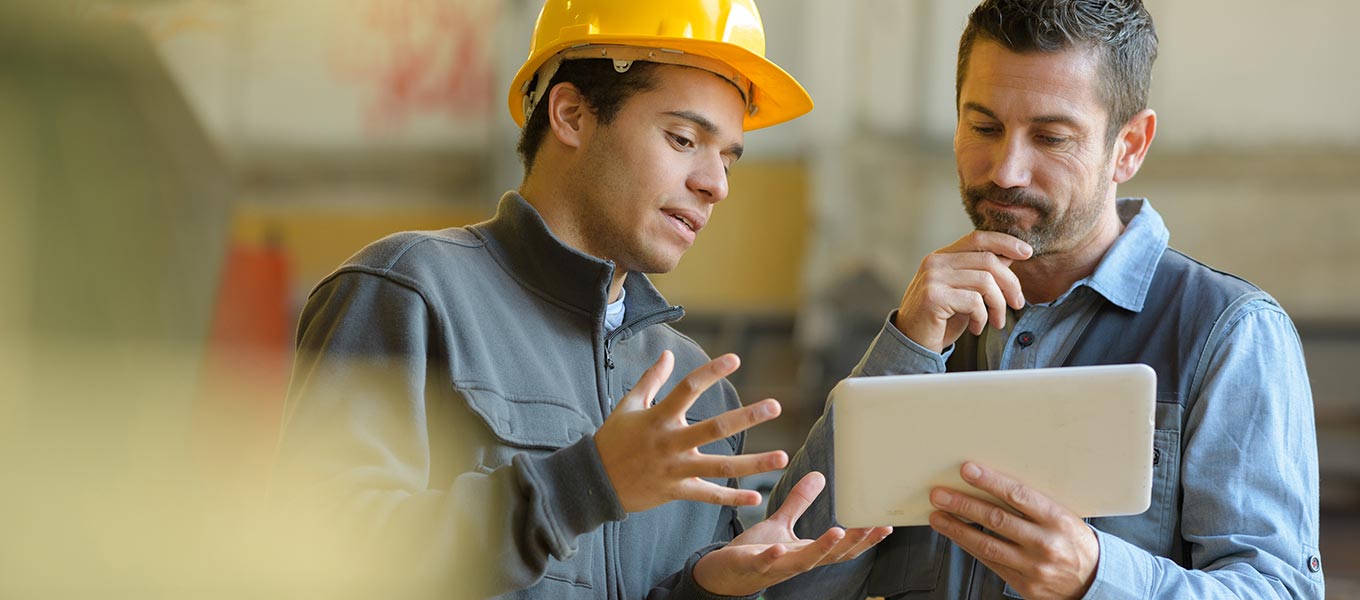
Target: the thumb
(640, 397)
(800, 498)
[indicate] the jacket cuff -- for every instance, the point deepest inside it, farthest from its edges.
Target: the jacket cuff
(893, 353)
(1122, 571)
(689, 588)
(572, 493)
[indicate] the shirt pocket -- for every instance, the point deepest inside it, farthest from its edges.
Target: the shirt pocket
(910, 560)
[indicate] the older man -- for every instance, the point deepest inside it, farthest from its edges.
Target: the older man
(1052, 116)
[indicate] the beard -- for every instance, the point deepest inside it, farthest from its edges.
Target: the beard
(1051, 232)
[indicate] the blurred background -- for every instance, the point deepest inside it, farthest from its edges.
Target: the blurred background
(175, 175)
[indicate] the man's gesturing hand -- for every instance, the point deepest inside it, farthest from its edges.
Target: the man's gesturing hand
(964, 285)
(770, 552)
(1046, 551)
(651, 453)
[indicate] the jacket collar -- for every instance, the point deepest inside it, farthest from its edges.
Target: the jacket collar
(521, 241)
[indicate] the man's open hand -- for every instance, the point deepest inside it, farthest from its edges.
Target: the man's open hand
(651, 453)
(770, 552)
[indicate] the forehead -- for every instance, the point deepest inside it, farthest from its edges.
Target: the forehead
(1033, 83)
(687, 89)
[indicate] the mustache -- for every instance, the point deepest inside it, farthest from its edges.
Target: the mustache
(1011, 196)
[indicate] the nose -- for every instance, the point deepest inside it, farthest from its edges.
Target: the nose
(1011, 165)
(708, 179)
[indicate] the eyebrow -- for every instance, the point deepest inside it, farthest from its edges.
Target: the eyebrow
(708, 126)
(1063, 119)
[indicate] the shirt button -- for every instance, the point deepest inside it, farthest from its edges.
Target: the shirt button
(1314, 563)
(1025, 339)
(1156, 457)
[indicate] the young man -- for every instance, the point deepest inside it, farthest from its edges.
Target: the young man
(487, 403)
(1052, 116)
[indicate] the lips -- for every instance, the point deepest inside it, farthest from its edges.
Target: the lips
(691, 220)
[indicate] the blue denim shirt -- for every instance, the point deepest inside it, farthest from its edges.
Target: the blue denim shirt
(1248, 472)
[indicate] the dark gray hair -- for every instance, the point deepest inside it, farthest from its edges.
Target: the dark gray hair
(1119, 31)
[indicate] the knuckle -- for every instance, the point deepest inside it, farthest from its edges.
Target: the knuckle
(719, 428)
(996, 518)
(989, 550)
(1049, 548)
(688, 386)
(728, 469)
(1045, 572)
(1018, 495)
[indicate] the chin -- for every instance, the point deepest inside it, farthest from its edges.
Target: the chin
(659, 264)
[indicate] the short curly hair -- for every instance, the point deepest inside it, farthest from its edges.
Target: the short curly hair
(1121, 32)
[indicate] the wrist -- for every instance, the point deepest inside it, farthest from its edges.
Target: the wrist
(707, 576)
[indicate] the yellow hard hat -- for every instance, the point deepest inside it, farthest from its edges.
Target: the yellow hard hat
(722, 36)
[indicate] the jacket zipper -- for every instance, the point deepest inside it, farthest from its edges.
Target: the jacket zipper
(661, 316)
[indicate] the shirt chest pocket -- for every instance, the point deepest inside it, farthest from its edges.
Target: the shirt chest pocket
(517, 424)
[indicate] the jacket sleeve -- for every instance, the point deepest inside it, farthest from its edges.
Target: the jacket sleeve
(1249, 474)
(354, 467)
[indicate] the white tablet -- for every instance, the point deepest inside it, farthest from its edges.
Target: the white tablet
(1081, 435)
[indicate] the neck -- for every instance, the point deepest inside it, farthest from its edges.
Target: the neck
(554, 206)
(616, 286)
(1046, 277)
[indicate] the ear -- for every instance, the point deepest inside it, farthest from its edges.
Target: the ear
(569, 117)
(1131, 147)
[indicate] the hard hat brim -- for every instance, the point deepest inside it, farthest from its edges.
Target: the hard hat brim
(777, 96)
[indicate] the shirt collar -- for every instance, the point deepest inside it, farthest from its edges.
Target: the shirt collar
(519, 238)
(1125, 273)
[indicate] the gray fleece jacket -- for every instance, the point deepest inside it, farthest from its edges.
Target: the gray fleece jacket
(441, 412)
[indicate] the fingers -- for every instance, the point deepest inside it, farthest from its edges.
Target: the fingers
(967, 284)
(1003, 279)
(650, 383)
(678, 402)
(728, 424)
(995, 242)
(729, 467)
(987, 548)
(1012, 491)
(864, 539)
(981, 272)
(991, 516)
(1035, 509)
(801, 558)
(800, 498)
(698, 490)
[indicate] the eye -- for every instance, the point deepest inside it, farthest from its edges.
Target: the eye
(985, 130)
(1051, 140)
(681, 141)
